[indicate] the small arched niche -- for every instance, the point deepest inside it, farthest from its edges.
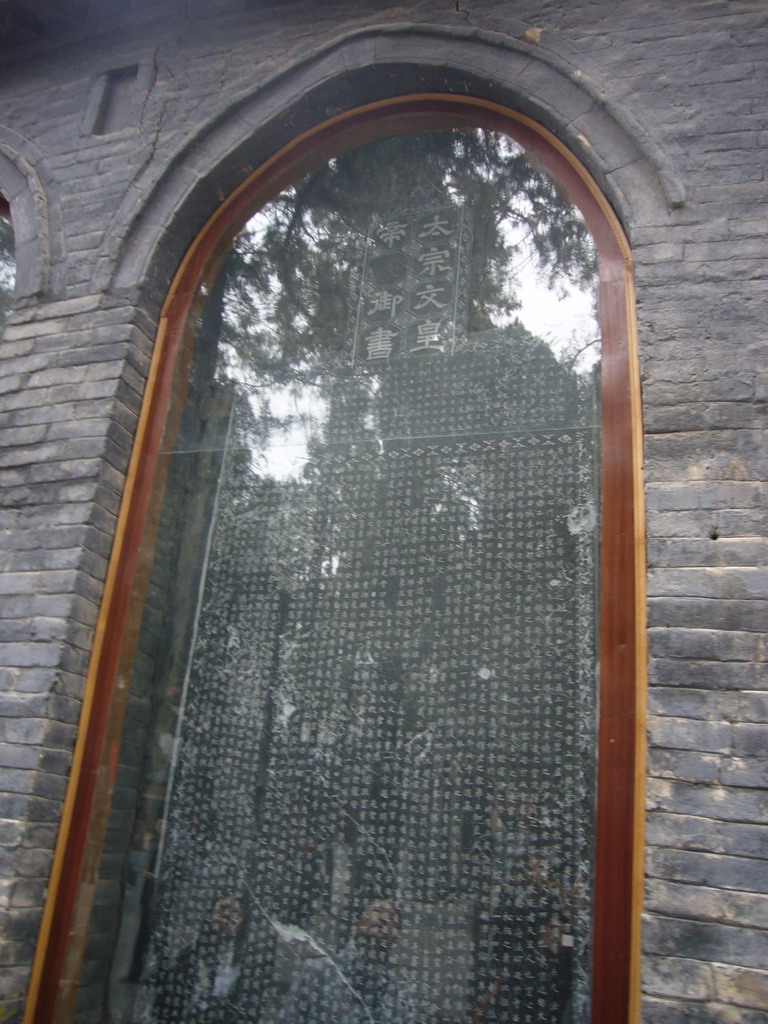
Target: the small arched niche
(361, 731)
(7, 262)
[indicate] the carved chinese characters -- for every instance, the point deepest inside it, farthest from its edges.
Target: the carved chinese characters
(413, 291)
(380, 791)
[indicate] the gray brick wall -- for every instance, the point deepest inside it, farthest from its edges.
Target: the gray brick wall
(665, 100)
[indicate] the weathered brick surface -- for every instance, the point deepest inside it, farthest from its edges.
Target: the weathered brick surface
(102, 222)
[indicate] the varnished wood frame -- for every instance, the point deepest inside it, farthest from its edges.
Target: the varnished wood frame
(621, 767)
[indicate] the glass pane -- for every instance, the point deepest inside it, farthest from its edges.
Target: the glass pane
(364, 695)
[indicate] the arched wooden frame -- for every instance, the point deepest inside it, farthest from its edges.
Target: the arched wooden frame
(619, 839)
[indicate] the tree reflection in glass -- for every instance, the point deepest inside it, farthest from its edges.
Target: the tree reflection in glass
(366, 670)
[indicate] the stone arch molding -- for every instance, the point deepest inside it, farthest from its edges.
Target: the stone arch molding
(633, 171)
(21, 185)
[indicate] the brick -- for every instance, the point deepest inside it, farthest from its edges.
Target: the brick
(34, 864)
(709, 551)
(727, 583)
(41, 809)
(708, 613)
(688, 766)
(718, 802)
(740, 986)
(699, 940)
(687, 702)
(705, 644)
(30, 654)
(10, 833)
(707, 904)
(50, 582)
(18, 780)
(40, 836)
(750, 740)
(689, 734)
(677, 978)
(13, 756)
(742, 873)
(19, 925)
(753, 707)
(706, 495)
(745, 771)
(23, 730)
(28, 892)
(717, 675)
(681, 831)
(28, 680)
(700, 524)
(55, 762)
(705, 416)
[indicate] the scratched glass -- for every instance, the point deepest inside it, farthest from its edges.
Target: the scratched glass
(357, 778)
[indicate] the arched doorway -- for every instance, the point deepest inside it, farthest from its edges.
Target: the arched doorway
(369, 492)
